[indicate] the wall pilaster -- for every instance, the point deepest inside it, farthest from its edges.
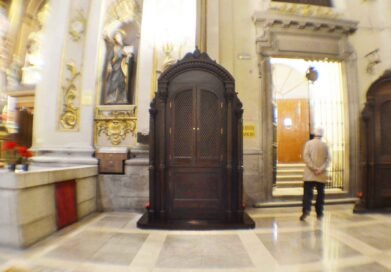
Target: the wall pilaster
(64, 102)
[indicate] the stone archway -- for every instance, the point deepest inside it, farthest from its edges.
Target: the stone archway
(307, 37)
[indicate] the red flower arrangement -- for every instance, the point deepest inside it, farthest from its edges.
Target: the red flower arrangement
(16, 154)
(9, 146)
(10, 152)
(24, 153)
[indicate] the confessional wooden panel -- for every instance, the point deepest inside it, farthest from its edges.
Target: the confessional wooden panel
(376, 147)
(195, 154)
(196, 164)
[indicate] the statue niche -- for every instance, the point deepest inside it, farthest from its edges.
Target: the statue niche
(376, 147)
(119, 69)
(196, 156)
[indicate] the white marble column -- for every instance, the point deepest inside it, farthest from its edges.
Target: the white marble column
(52, 143)
(145, 70)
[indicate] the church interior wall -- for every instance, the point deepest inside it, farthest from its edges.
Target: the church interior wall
(231, 40)
(237, 54)
(373, 33)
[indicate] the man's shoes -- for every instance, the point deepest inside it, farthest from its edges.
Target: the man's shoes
(319, 216)
(303, 216)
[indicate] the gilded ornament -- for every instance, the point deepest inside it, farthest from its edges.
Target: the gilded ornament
(124, 11)
(303, 10)
(77, 26)
(69, 116)
(112, 112)
(116, 130)
(116, 122)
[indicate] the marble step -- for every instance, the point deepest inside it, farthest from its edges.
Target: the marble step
(289, 184)
(290, 165)
(290, 172)
(280, 202)
(289, 177)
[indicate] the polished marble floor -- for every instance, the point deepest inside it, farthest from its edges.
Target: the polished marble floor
(341, 242)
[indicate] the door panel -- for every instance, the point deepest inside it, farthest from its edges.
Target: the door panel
(195, 173)
(209, 127)
(182, 140)
(195, 189)
(292, 129)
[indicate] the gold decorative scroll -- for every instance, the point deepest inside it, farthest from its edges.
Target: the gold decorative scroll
(70, 94)
(69, 117)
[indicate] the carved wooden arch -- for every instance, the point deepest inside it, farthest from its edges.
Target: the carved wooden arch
(197, 60)
(374, 87)
(376, 146)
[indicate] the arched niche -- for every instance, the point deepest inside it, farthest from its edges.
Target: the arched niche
(123, 16)
(29, 24)
(115, 123)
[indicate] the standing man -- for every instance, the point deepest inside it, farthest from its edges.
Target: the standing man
(316, 158)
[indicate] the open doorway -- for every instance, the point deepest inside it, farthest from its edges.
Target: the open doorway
(307, 95)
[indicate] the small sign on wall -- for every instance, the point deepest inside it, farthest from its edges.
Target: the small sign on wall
(249, 131)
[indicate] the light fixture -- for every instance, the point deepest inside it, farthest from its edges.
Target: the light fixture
(312, 74)
(288, 123)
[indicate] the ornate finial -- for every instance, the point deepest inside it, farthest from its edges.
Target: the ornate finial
(196, 52)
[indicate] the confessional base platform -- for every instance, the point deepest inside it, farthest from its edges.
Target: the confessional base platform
(244, 222)
(360, 208)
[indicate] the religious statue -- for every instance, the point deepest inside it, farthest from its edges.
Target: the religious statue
(31, 71)
(118, 70)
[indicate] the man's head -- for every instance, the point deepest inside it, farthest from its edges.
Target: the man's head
(318, 132)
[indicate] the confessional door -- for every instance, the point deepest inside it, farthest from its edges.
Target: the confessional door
(195, 154)
(382, 143)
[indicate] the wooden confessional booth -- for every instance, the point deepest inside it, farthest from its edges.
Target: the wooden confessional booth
(376, 147)
(196, 156)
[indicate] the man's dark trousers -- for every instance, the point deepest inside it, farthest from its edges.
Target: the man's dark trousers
(307, 197)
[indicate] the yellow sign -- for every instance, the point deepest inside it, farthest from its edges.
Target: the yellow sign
(249, 131)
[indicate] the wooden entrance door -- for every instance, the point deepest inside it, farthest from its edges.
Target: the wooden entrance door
(195, 153)
(292, 129)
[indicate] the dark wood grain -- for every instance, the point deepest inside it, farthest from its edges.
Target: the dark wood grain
(376, 147)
